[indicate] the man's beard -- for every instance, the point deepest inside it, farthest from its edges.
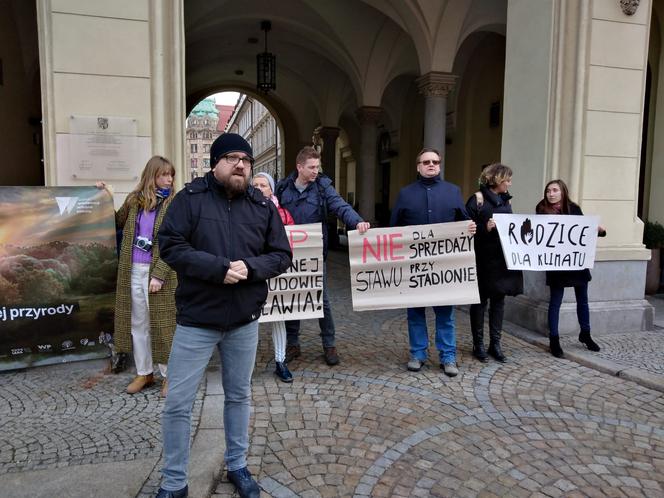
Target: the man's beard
(235, 184)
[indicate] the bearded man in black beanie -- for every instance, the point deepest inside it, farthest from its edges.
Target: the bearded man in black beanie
(224, 240)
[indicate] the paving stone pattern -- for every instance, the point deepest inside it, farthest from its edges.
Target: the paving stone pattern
(65, 415)
(641, 350)
(535, 426)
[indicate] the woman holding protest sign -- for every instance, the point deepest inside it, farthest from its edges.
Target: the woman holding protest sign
(265, 183)
(556, 201)
(145, 292)
(495, 281)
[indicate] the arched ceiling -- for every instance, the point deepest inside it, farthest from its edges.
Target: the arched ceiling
(332, 56)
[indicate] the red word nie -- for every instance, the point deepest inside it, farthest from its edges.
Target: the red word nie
(384, 248)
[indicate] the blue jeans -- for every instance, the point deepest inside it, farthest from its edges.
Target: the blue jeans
(418, 335)
(326, 323)
(582, 310)
(190, 354)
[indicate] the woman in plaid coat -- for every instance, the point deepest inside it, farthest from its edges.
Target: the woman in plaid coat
(145, 294)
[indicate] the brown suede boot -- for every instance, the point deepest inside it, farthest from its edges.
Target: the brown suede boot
(164, 388)
(139, 383)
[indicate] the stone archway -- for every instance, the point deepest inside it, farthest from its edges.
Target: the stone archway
(652, 152)
(474, 118)
(20, 98)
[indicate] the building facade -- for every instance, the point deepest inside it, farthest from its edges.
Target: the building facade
(201, 132)
(554, 88)
(253, 121)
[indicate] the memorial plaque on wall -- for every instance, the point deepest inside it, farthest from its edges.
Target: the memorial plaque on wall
(101, 147)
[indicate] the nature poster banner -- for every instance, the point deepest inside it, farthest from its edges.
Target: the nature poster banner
(58, 266)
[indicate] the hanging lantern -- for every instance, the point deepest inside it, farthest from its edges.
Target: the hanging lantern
(266, 65)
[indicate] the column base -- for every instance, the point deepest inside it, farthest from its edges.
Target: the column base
(605, 316)
(616, 295)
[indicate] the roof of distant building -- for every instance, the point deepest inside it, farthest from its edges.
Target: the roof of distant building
(225, 113)
(206, 107)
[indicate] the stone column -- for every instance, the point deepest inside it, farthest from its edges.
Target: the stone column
(167, 84)
(573, 109)
(146, 83)
(329, 135)
(366, 173)
(435, 87)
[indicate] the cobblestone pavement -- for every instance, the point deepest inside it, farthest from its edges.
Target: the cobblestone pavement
(535, 426)
(642, 350)
(74, 414)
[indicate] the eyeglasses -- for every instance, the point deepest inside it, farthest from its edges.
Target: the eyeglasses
(427, 162)
(233, 160)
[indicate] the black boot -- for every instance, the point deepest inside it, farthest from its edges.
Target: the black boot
(495, 351)
(495, 328)
(554, 345)
(477, 329)
(478, 350)
(585, 338)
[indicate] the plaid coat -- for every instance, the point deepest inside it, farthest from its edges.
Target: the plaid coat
(162, 303)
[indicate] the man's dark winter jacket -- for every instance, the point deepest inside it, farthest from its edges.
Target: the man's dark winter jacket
(202, 233)
(426, 201)
(312, 205)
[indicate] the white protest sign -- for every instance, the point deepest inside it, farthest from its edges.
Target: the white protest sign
(297, 294)
(423, 265)
(539, 242)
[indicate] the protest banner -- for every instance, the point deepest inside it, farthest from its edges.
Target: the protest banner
(297, 294)
(58, 268)
(423, 265)
(540, 242)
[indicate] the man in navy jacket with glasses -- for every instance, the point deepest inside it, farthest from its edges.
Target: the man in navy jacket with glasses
(429, 200)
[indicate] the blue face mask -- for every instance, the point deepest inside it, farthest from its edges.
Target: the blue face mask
(163, 192)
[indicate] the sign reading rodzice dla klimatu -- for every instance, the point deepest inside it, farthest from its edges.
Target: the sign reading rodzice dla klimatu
(58, 267)
(540, 242)
(413, 266)
(297, 294)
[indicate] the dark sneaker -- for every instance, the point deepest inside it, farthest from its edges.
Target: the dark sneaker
(331, 357)
(283, 373)
(292, 352)
(246, 486)
(181, 493)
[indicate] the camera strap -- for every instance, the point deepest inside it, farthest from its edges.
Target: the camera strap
(137, 231)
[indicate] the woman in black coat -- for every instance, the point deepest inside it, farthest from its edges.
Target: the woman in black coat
(495, 281)
(556, 201)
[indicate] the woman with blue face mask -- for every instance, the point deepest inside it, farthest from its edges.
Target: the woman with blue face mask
(145, 293)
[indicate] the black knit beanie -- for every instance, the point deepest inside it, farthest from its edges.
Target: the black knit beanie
(227, 143)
